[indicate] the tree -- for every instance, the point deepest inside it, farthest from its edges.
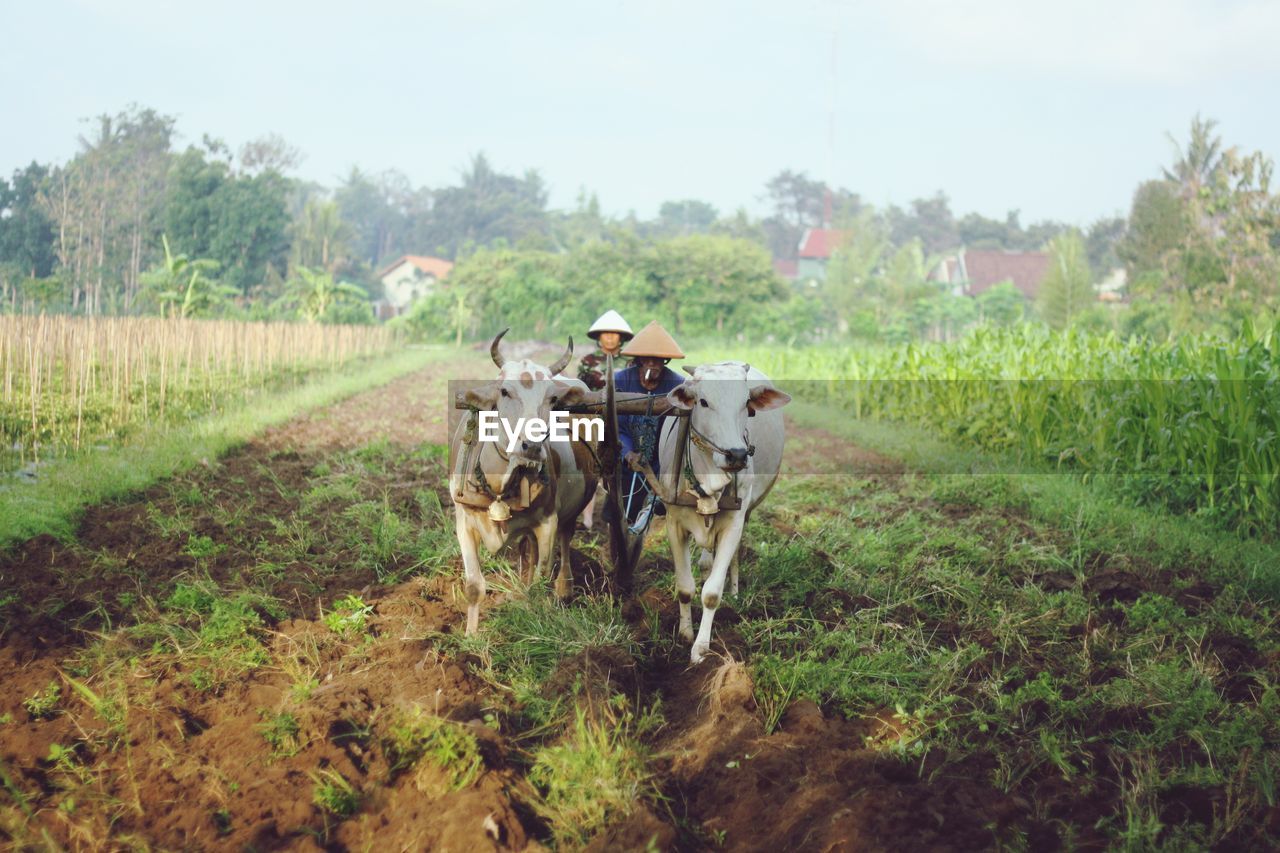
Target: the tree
(320, 237)
(978, 232)
(929, 221)
(584, 224)
(1067, 288)
(107, 204)
(240, 221)
(1244, 232)
(379, 210)
(686, 217)
(313, 294)
(904, 277)
(800, 202)
(486, 208)
(853, 279)
(704, 282)
(1002, 304)
(1157, 227)
(741, 227)
(269, 153)
(1197, 164)
(1103, 243)
(26, 232)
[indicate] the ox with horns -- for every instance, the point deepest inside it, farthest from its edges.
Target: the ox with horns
(536, 491)
(731, 449)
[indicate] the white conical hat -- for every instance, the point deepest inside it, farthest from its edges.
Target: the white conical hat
(610, 321)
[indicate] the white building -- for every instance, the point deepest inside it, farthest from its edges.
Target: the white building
(407, 279)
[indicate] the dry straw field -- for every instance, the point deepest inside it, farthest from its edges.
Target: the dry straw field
(71, 381)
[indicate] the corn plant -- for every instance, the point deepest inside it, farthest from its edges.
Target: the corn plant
(1194, 424)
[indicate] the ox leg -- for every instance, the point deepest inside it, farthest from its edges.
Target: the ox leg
(475, 587)
(713, 589)
(679, 538)
(545, 536)
(564, 578)
(733, 567)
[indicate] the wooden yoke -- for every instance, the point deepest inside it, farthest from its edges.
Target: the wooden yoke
(594, 403)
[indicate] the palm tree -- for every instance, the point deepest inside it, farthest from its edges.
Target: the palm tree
(320, 238)
(1197, 165)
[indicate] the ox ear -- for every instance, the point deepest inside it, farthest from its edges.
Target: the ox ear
(484, 398)
(566, 394)
(766, 397)
(689, 369)
(682, 396)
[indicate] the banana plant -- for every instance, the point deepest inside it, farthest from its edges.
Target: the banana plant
(311, 293)
(183, 287)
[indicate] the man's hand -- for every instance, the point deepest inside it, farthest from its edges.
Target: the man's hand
(635, 462)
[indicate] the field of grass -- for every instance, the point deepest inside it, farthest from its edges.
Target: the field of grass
(267, 650)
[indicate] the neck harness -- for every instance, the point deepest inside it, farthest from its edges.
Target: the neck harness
(708, 504)
(523, 487)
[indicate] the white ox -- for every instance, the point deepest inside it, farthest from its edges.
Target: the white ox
(523, 389)
(736, 429)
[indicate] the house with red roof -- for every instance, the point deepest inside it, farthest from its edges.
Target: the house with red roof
(408, 279)
(817, 245)
(971, 272)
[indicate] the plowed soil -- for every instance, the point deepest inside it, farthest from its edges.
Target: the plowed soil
(183, 761)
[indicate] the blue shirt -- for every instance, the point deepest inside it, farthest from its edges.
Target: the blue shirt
(630, 427)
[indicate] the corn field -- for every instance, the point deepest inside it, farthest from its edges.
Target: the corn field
(71, 382)
(1194, 425)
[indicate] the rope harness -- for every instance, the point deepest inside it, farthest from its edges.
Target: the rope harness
(474, 489)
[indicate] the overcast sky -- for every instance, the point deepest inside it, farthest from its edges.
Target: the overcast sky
(1057, 109)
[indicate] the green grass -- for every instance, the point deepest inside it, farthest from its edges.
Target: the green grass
(1034, 623)
(421, 738)
(281, 731)
(349, 616)
(334, 794)
(521, 644)
(42, 704)
(1096, 512)
(53, 504)
(598, 774)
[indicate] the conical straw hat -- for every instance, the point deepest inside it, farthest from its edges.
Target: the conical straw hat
(653, 341)
(610, 321)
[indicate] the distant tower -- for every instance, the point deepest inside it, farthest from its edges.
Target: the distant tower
(828, 214)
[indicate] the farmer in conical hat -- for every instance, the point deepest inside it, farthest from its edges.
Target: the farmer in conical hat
(609, 332)
(650, 351)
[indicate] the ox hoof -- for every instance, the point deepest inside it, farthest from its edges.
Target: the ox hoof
(698, 652)
(686, 634)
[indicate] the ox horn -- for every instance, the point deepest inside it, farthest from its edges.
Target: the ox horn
(493, 349)
(563, 362)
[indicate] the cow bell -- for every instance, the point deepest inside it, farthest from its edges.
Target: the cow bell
(708, 505)
(499, 511)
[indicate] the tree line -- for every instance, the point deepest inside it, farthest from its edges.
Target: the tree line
(134, 224)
